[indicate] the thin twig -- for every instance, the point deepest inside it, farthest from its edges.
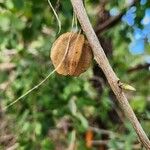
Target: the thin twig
(102, 60)
(59, 22)
(105, 142)
(113, 20)
(102, 131)
(100, 142)
(139, 67)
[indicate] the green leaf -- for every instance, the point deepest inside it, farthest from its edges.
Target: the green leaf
(4, 22)
(38, 128)
(72, 106)
(83, 120)
(138, 104)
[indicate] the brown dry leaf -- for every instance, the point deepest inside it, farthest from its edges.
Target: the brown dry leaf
(89, 138)
(7, 66)
(78, 57)
(4, 85)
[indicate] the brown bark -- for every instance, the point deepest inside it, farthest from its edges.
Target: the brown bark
(102, 60)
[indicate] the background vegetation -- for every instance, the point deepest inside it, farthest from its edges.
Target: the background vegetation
(60, 113)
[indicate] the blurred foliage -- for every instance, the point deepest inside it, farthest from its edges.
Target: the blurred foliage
(27, 31)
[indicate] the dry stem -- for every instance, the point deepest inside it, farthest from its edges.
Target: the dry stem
(102, 60)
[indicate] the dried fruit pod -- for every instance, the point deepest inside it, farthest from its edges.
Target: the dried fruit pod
(71, 54)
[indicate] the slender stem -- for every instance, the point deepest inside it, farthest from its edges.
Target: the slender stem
(102, 60)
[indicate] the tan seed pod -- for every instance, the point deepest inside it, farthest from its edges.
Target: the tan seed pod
(71, 54)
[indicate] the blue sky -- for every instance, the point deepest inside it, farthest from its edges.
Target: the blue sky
(140, 36)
